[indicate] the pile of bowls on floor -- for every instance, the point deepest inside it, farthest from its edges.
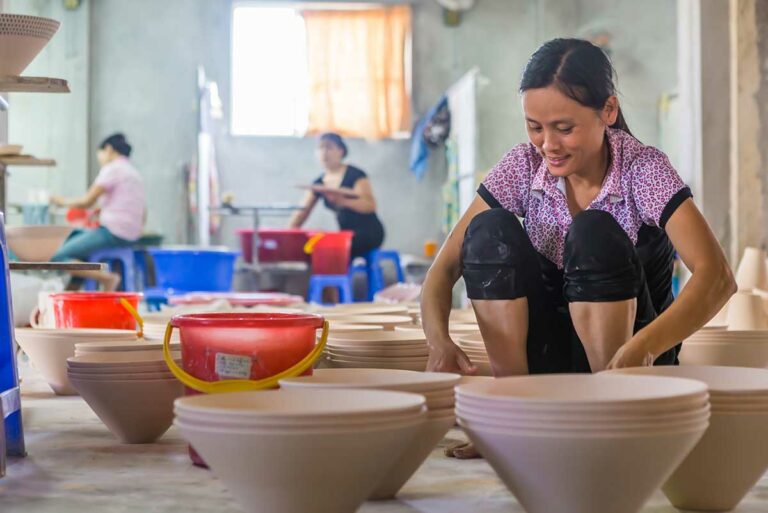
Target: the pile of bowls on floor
(738, 336)
(128, 386)
(732, 456)
(290, 451)
(583, 443)
(48, 350)
(436, 388)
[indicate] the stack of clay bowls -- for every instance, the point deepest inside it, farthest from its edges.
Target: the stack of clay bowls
(295, 451)
(583, 443)
(48, 350)
(744, 343)
(128, 386)
(474, 347)
(437, 389)
(337, 328)
(387, 322)
(463, 315)
(21, 39)
(378, 350)
(733, 455)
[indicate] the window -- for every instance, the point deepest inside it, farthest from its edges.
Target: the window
(270, 92)
(303, 71)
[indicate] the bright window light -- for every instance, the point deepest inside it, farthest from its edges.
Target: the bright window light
(269, 72)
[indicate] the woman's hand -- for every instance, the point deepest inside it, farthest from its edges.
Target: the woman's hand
(57, 201)
(632, 354)
(447, 357)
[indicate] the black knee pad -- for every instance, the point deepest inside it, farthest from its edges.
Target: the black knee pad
(495, 255)
(600, 262)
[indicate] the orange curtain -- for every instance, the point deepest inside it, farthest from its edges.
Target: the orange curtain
(357, 70)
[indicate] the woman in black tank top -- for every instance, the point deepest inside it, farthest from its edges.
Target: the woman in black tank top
(356, 214)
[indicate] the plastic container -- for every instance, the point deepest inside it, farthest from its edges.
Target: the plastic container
(94, 310)
(224, 352)
(331, 252)
(190, 269)
(275, 245)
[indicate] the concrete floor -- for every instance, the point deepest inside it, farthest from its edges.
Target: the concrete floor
(75, 466)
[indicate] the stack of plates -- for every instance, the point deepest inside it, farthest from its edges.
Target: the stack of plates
(733, 455)
(584, 443)
(347, 309)
(712, 346)
(288, 451)
(388, 322)
(437, 389)
(378, 350)
(129, 387)
(456, 329)
(474, 347)
(48, 350)
(155, 325)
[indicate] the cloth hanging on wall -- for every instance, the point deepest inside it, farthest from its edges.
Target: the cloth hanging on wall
(429, 133)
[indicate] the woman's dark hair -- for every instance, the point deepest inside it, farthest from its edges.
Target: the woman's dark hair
(337, 140)
(579, 69)
(118, 143)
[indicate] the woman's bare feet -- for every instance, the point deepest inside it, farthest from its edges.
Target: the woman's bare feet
(462, 451)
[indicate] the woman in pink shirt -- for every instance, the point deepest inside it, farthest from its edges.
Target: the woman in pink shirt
(119, 193)
(584, 284)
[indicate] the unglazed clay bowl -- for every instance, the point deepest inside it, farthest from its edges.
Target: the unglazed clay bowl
(584, 474)
(135, 411)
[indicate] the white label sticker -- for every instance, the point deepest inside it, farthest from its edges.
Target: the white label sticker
(233, 366)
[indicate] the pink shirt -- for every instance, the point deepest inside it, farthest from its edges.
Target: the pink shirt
(122, 204)
(638, 188)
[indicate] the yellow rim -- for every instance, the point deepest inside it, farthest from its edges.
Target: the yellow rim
(131, 310)
(240, 385)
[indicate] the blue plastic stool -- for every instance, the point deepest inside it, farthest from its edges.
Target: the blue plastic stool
(319, 282)
(140, 256)
(375, 272)
(123, 255)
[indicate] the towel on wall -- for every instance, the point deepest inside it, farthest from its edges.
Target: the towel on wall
(430, 132)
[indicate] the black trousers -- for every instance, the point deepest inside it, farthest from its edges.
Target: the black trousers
(600, 264)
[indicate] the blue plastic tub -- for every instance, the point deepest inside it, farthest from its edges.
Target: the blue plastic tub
(194, 269)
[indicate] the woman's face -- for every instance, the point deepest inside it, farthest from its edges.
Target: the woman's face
(105, 155)
(329, 154)
(567, 134)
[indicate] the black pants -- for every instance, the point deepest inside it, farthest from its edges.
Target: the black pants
(600, 264)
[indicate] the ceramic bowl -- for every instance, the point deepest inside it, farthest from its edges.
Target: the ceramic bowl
(262, 471)
(405, 381)
(577, 391)
(295, 404)
(21, 39)
(751, 272)
(746, 311)
(29, 243)
(135, 411)
(387, 322)
(718, 354)
(337, 363)
(584, 474)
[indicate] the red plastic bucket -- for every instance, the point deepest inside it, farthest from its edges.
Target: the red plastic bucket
(223, 352)
(275, 245)
(330, 252)
(94, 310)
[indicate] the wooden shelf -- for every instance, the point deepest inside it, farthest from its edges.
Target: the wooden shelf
(25, 160)
(56, 266)
(11, 84)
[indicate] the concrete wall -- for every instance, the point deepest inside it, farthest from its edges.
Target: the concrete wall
(144, 54)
